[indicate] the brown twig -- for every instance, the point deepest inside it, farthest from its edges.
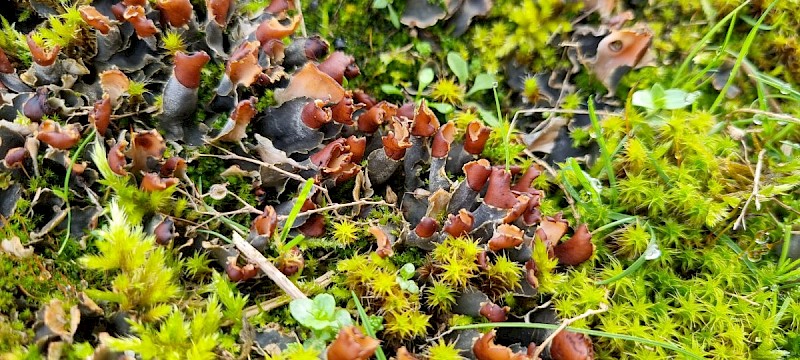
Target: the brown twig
(272, 272)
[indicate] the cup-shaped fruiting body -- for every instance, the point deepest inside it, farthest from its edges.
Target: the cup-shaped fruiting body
(363, 98)
(485, 349)
(5, 65)
(53, 134)
(179, 101)
(218, 10)
(351, 344)
(424, 123)
(174, 167)
(336, 160)
(441, 142)
(114, 83)
(315, 114)
(100, 115)
(506, 236)
(466, 193)
(152, 182)
(311, 83)
(383, 240)
(144, 27)
(577, 249)
(498, 193)
(39, 105)
(476, 137)
(314, 226)
(568, 345)
(403, 354)
(279, 6)
(95, 19)
(494, 312)
(339, 66)
(164, 232)
(369, 121)
(357, 146)
(524, 184)
(273, 29)
(177, 12)
(242, 68)
(243, 273)
(477, 173)
(343, 111)
(15, 157)
(396, 141)
(266, 223)
(302, 50)
(551, 229)
(188, 66)
(39, 55)
(236, 127)
(144, 145)
(426, 227)
(460, 224)
(116, 158)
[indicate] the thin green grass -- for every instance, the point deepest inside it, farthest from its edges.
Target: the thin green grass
(298, 204)
(65, 189)
(367, 326)
(604, 153)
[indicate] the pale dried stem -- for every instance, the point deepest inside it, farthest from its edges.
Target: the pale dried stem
(603, 308)
(274, 303)
(254, 256)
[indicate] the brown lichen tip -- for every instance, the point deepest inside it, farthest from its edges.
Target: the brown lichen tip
(15, 157)
(406, 111)
(273, 29)
(524, 183)
(152, 182)
(242, 67)
(369, 121)
(494, 312)
(218, 11)
(459, 225)
(351, 344)
(477, 173)
(173, 167)
(311, 83)
(568, 345)
(577, 249)
(426, 227)
(95, 19)
(340, 65)
(187, 68)
(441, 142)
(357, 146)
(236, 273)
(384, 244)
(363, 98)
(551, 229)
(164, 232)
(100, 115)
(621, 48)
(266, 223)
(53, 134)
(116, 158)
(343, 111)
(485, 349)
(476, 137)
(396, 141)
(314, 226)
(279, 6)
(41, 57)
(506, 236)
(144, 27)
(242, 115)
(499, 194)
(403, 354)
(5, 65)
(291, 262)
(315, 114)
(146, 144)
(425, 122)
(114, 83)
(177, 12)
(315, 48)
(36, 107)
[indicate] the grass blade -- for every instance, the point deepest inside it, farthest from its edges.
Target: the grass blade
(604, 154)
(367, 326)
(301, 198)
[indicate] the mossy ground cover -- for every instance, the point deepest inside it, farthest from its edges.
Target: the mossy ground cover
(684, 171)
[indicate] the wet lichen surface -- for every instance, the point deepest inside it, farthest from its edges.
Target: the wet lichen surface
(399, 179)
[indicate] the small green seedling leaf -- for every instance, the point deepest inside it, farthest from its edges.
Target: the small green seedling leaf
(425, 78)
(458, 66)
(443, 108)
(393, 17)
(407, 271)
(482, 82)
(380, 4)
(657, 98)
(391, 90)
